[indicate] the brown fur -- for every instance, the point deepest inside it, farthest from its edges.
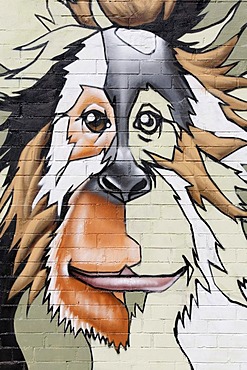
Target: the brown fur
(207, 68)
(188, 163)
(125, 13)
(34, 227)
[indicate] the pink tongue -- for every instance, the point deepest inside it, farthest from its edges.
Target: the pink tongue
(128, 281)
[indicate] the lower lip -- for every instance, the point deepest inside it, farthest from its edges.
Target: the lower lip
(129, 282)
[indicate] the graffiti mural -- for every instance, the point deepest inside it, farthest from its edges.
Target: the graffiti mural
(124, 190)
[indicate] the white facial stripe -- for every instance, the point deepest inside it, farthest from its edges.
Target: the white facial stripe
(58, 157)
(88, 70)
(209, 115)
(75, 174)
(64, 175)
(204, 239)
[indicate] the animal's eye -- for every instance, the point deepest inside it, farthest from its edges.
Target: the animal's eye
(148, 122)
(96, 121)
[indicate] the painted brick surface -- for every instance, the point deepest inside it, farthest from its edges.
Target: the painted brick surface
(123, 185)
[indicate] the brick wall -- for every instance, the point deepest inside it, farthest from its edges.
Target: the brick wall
(123, 169)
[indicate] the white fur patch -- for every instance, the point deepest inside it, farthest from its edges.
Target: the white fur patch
(215, 320)
(64, 175)
(88, 70)
(209, 115)
(218, 328)
(205, 241)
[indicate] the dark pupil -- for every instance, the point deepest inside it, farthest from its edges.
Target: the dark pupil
(148, 122)
(95, 121)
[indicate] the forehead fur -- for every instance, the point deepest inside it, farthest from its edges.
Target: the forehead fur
(90, 66)
(131, 69)
(115, 60)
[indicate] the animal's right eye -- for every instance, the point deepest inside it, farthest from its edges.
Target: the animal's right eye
(96, 121)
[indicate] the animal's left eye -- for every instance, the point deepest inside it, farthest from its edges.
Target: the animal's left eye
(96, 121)
(148, 122)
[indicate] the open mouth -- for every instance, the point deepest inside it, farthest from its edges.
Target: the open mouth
(126, 280)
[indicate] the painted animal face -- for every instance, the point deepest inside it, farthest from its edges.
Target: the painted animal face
(127, 121)
(93, 172)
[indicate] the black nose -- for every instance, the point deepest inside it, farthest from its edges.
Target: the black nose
(124, 179)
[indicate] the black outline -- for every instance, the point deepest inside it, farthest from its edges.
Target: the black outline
(148, 169)
(236, 6)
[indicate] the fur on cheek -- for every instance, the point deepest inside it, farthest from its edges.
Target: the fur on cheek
(87, 308)
(82, 307)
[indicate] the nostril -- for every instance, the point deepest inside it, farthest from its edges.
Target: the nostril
(139, 186)
(107, 184)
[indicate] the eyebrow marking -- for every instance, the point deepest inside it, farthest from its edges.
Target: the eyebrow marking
(149, 105)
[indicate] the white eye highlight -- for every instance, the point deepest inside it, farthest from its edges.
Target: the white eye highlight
(148, 122)
(96, 121)
(145, 118)
(91, 117)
